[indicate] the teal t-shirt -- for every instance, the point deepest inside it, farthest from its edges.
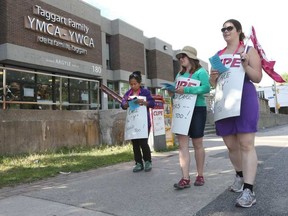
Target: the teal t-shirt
(202, 75)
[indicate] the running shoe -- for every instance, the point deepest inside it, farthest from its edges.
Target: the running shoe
(237, 186)
(147, 166)
(138, 167)
(246, 199)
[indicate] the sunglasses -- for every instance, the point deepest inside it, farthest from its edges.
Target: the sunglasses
(181, 56)
(133, 76)
(229, 28)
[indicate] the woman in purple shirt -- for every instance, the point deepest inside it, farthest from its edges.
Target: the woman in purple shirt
(238, 132)
(141, 148)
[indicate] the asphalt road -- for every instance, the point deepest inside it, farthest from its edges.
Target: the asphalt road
(117, 191)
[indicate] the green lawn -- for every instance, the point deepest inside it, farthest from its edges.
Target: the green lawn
(28, 168)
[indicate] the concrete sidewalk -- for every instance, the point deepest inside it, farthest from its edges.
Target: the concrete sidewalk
(116, 190)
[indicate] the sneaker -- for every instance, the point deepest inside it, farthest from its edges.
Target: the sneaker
(199, 181)
(237, 186)
(246, 199)
(138, 167)
(183, 183)
(147, 166)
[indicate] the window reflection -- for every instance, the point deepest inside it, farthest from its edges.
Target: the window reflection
(94, 95)
(34, 90)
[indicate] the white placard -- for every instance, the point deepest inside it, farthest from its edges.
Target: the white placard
(183, 107)
(136, 126)
(228, 92)
(158, 122)
(28, 92)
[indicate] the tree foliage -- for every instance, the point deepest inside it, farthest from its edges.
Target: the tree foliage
(285, 76)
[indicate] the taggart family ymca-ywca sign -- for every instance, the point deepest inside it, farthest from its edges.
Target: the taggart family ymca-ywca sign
(49, 27)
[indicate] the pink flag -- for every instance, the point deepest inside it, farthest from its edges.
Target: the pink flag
(267, 66)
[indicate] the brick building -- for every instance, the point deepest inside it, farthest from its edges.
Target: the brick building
(69, 38)
(54, 55)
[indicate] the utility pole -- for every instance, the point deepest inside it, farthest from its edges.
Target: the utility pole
(275, 97)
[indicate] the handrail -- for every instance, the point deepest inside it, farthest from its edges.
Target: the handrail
(111, 92)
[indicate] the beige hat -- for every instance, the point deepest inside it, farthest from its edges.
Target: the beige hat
(191, 52)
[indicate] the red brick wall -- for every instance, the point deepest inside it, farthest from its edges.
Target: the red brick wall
(3, 22)
(127, 54)
(160, 65)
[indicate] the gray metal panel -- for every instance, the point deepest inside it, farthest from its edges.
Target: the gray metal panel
(204, 64)
(106, 26)
(41, 59)
(157, 44)
(122, 75)
(109, 74)
(123, 28)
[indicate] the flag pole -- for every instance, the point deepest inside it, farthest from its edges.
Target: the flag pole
(247, 40)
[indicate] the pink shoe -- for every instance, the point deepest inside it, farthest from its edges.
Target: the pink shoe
(183, 183)
(199, 181)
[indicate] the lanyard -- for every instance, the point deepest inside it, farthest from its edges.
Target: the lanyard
(188, 78)
(131, 92)
(239, 45)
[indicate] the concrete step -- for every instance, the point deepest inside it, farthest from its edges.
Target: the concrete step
(209, 129)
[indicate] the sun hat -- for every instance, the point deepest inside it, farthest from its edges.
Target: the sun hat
(191, 52)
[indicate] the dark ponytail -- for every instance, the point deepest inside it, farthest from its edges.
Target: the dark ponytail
(136, 75)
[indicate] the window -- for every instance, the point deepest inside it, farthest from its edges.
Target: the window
(94, 94)
(45, 90)
(107, 52)
(112, 104)
(37, 90)
(147, 62)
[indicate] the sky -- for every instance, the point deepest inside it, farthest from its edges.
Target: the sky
(198, 24)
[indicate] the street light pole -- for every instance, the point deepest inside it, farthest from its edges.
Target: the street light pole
(275, 98)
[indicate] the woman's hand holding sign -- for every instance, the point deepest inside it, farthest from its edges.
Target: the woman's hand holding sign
(180, 90)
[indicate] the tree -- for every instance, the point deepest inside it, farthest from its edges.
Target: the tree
(285, 76)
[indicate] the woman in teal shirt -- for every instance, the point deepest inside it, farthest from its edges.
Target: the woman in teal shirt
(192, 70)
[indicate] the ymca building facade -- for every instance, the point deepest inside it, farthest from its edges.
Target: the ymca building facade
(54, 57)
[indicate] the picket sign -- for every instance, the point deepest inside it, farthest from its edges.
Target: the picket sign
(183, 107)
(136, 126)
(228, 92)
(158, 122)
